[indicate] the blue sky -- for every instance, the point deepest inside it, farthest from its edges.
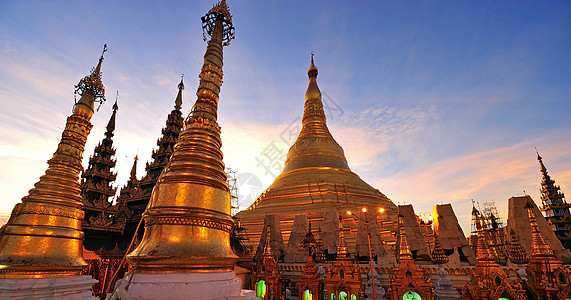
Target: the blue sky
(435, 101)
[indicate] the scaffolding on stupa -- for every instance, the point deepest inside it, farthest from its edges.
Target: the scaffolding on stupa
(238, 234)
(232, 180)
(494, 230)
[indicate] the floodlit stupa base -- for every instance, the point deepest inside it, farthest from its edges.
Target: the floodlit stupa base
(67, 288)
(204, 286)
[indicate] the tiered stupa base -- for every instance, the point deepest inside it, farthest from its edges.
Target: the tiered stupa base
(66, 288)
(204, 286)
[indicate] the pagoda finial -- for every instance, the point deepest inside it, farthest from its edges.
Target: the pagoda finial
(219, 12)
(92, 82)
(178, 101)
(539, 247)
(404, 246)
(111, 124)
(541, 165)
(312, 72)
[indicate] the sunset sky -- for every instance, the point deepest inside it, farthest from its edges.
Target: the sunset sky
(432, 101)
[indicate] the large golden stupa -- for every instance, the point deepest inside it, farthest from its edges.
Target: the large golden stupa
(316, 179)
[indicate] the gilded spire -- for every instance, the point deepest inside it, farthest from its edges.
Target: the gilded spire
(178, 101)
(539, 247)
(111, 124)
(342, 248)
(404, 246)
(541, 165)
(438, 255)
(43, 237)
(187, 219)
(268, 252)
(483, 252)
(516, 253)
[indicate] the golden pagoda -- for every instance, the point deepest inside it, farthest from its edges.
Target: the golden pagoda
(316, 178)
(185, 249)
(43, 237)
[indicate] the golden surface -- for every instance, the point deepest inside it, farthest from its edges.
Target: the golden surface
(187, 220)
(43, 236)
(316, 179)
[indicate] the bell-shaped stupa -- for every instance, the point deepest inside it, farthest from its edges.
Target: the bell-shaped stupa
(316, 179)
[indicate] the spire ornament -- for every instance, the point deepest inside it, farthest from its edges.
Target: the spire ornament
(219, 12)
(178, 101)
(92, 82)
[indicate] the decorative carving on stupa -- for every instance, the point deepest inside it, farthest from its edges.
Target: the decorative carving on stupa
(555, 208)
(102, 223)
(316, 179)
(547, 278)
(487, 280)
(43, 237)
(266, 276)
(138, 192)
(407, 279)
(343, 276)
